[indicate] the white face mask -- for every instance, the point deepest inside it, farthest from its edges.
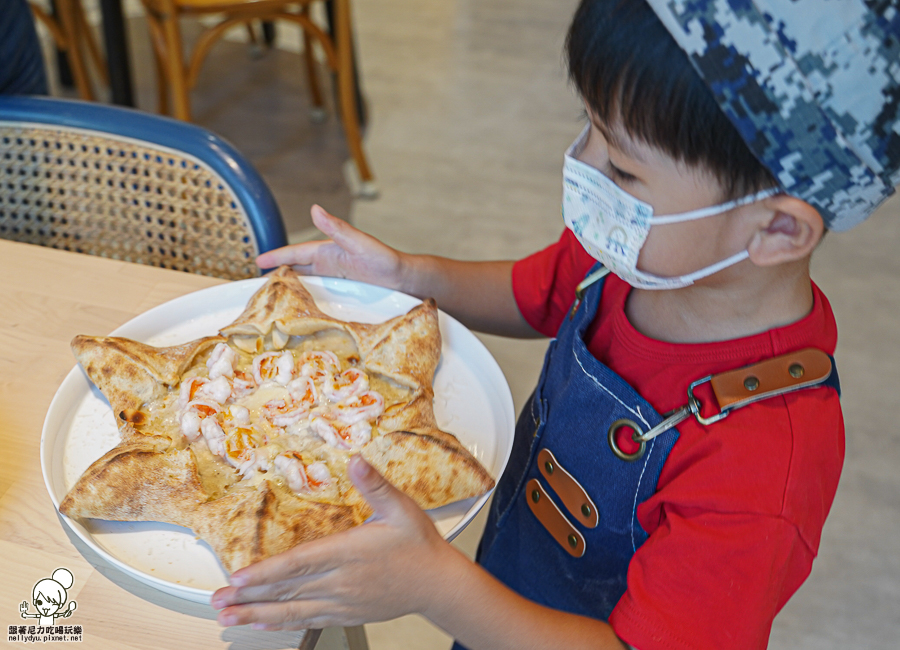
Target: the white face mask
(612, 225)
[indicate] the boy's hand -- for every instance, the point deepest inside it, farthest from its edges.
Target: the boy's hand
(350, 253)
(374, 572)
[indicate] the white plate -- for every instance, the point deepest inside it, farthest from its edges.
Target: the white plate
(472, 401)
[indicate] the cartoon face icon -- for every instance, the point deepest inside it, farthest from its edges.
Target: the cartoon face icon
(49, 596)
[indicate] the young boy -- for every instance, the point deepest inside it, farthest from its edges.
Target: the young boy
(704, 181)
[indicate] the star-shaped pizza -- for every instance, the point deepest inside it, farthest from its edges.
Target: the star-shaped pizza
(244, 437)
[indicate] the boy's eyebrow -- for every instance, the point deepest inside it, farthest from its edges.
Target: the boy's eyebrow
(624, 146)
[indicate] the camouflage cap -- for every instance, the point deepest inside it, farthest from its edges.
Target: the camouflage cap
(813, 86)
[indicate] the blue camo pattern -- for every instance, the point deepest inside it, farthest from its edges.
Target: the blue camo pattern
(813, 86)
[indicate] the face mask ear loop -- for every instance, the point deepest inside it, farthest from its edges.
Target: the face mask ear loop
(577, 147)
(654, 282)
(714, 209)
(715, 268)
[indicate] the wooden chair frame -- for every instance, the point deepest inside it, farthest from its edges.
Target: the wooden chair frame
(177, 76)
(70, 31)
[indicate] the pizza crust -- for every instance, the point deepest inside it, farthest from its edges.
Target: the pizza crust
(157, 474)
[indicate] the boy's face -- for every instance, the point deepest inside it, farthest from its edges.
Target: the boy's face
(670, 187)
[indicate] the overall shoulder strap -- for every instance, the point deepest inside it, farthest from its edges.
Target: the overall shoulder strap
(595, 275)
(733, 389)
(785, 373)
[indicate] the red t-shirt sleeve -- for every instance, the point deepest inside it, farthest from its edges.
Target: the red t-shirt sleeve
(735, 529)
(717, 580)
(544, 283)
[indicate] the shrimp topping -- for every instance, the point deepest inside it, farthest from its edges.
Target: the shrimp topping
(214, 436)
(339, 435)
(365, 407)
(243, 385)
(240, 450)
(217, 390)
(319, 364)
(221, 361)
(274, 366)
(348, 384)
(235, 416)
(307, 400)
(303, 390)
(301, 477)
(197, 412)
(284, 412)
(189, 388)
(190, 425)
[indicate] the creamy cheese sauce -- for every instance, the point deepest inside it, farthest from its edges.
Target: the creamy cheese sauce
(293, 416)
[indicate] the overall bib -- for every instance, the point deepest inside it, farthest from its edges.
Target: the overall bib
(563, 527)
(575, 403)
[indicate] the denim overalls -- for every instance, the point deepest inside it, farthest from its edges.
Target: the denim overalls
(569, 415)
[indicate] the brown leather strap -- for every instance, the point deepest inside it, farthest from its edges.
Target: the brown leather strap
(573, 496)
(772, 377)
(553, 519)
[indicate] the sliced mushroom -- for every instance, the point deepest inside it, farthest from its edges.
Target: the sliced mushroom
(279, 338)
(248, 343)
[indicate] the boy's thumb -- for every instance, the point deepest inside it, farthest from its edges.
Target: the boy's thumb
(377, 491)
(325, 221)
(338, 230)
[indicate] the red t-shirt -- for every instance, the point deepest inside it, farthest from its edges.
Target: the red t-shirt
(737, 516)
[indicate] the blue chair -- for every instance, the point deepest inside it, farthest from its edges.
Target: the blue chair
(133, 186)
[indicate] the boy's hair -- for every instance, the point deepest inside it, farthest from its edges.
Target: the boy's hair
(631, 72)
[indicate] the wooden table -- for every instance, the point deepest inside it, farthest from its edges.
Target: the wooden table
(47, 297)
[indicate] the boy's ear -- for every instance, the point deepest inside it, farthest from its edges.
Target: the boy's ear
(789, 230)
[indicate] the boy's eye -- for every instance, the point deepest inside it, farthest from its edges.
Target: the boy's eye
(38, 602)
(617, 174)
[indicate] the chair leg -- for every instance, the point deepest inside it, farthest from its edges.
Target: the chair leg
(268, 30)
(69, 23)
(356, 638)
(158, 44)
(317, 114)
(336, 638)
(176, 73)
(347, 98)
(162, 85)
(251, 33)
(85, 34)
(310, 640)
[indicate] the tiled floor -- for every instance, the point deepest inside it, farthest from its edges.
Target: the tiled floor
(469, 115)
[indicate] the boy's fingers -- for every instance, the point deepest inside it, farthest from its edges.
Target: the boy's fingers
(375, 489)
(326, 222)
(341, 233)
(298, 254)
(293, 614)
(292, 588)
(308, 559)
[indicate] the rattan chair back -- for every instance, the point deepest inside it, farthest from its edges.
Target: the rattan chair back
(126, 198)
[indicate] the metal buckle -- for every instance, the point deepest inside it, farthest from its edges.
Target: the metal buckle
(695, 404)
(670, 419)
(636, 436)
